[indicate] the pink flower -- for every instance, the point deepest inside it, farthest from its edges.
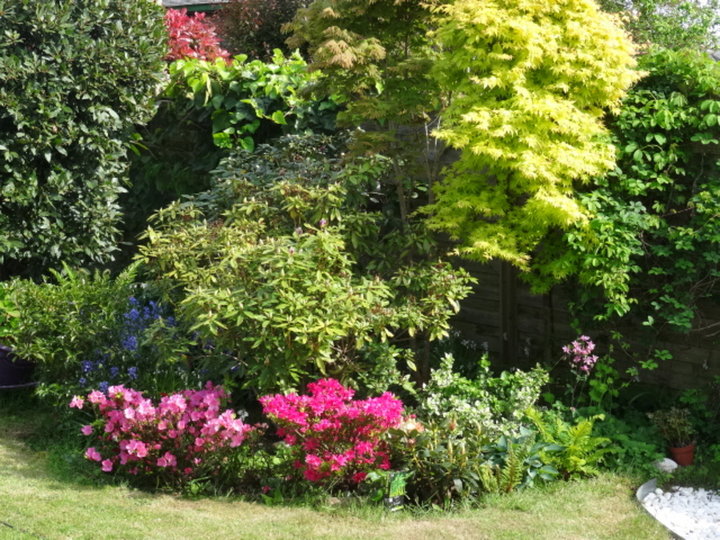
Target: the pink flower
(136, 448)
(144, 438)
(92, 454)
(77, 402)
(96, 397)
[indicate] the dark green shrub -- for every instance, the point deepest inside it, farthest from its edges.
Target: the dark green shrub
(74, 78)
(704, 406)
(634, 444)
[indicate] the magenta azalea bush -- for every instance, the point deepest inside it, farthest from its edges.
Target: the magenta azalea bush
(335, 438)
(178, 439)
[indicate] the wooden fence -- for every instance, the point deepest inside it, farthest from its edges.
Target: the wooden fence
(520, 329)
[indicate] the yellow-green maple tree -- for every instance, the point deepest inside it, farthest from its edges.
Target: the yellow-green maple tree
(520, 87)
(531, 80)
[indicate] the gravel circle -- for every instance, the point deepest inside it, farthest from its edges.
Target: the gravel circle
(692, 514)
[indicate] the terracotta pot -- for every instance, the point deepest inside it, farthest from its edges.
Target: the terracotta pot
(14, 371)
(684, 455)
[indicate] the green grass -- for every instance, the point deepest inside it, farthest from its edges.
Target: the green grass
(41, 496)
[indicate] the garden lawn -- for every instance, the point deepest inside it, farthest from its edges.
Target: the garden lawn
(39, 498)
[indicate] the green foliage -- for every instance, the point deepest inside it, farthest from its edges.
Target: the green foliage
(291, 262)
(581, 453)
(208, 108)
(671, 24)
(62, 323)
(496, 404)
(79, 320)
(240, 96)
(453, 458)
(8, 311)
(704, 473)
(75, 77)
(651, 248)
(446, 462)
(704, 406)
(530, 83)
(600, 388)
(634, 443)
(517, 462)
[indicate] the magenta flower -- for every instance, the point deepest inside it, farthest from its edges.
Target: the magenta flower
(332, 434)
(86, 430)
(107, 465)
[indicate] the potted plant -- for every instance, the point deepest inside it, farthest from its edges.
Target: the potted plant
(676, 428)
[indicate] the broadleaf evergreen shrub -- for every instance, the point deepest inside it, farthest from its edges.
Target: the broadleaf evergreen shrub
(494, 404)
(472, 437)
(293, 263)
(74, 77)
(336, 439)
(173, 441)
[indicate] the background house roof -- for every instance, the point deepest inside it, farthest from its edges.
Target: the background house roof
(193, 5)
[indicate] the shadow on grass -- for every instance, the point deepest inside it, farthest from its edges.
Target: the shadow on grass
(38, 444)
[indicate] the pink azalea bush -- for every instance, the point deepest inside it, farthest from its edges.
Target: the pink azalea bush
(177, 439)
(192, 37)
(335, 438)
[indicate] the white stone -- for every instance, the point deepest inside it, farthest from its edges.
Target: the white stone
(665, 465)
(692, 514)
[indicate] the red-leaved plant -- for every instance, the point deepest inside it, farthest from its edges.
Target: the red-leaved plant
(174, 440)
(192, 37)
(336, 439)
